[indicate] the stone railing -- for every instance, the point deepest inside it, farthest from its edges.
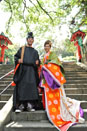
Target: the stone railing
(5, 113)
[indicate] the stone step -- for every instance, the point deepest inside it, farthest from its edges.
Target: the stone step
(68, 81)
(72, 81)
(70, 64)
(75, 75)
(76, 90)
(71, 92)
(11, 75)
(72, 70)
(6, 66)
(7, 79)
(85, 114)
(67, 90)
(4, 71)
(39, 126)
(2, 74)
(84, 106)
(75, 85)
(5, 82)
(5, 97)
(73, 67)
(76, 78)
(2, 103)
(8, 91)
(76, 81)
(4, 86)
(29, 116)
(81, 97)
(35, 116)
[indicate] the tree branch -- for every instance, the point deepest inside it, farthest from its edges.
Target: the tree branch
(52, 12)
(34, 5)
(9, 21)
(44, 10)
(81, 23)
(27, 27)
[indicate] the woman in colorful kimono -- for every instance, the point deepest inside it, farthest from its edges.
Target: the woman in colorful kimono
(61, 111)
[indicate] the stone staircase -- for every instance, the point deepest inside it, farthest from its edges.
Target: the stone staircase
(5, 82)
(75, 87)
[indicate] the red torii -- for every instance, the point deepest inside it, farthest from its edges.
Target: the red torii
(4, 41)
(74, 37)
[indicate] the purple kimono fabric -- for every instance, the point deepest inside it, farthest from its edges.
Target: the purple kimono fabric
(50, 80)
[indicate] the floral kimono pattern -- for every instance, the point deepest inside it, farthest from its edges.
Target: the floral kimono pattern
(61, 111)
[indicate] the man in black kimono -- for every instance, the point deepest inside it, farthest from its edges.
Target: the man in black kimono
(26, 91)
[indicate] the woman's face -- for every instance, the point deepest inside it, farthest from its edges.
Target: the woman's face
(47, 48)
(30, 41)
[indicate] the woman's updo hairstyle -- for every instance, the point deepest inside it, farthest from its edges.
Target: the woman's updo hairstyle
(48, 42)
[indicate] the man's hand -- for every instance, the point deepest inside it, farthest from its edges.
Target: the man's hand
(37, 62)
(20, 61)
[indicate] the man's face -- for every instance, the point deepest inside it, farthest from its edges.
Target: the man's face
(30, 41)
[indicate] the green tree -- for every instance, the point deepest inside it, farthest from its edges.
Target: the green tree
(10, 52)
(46, 13)
(42, 16)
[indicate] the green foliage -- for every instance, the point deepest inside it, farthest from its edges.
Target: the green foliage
(45, 15)
(10, 52)
(69, 46)
(51, 12)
